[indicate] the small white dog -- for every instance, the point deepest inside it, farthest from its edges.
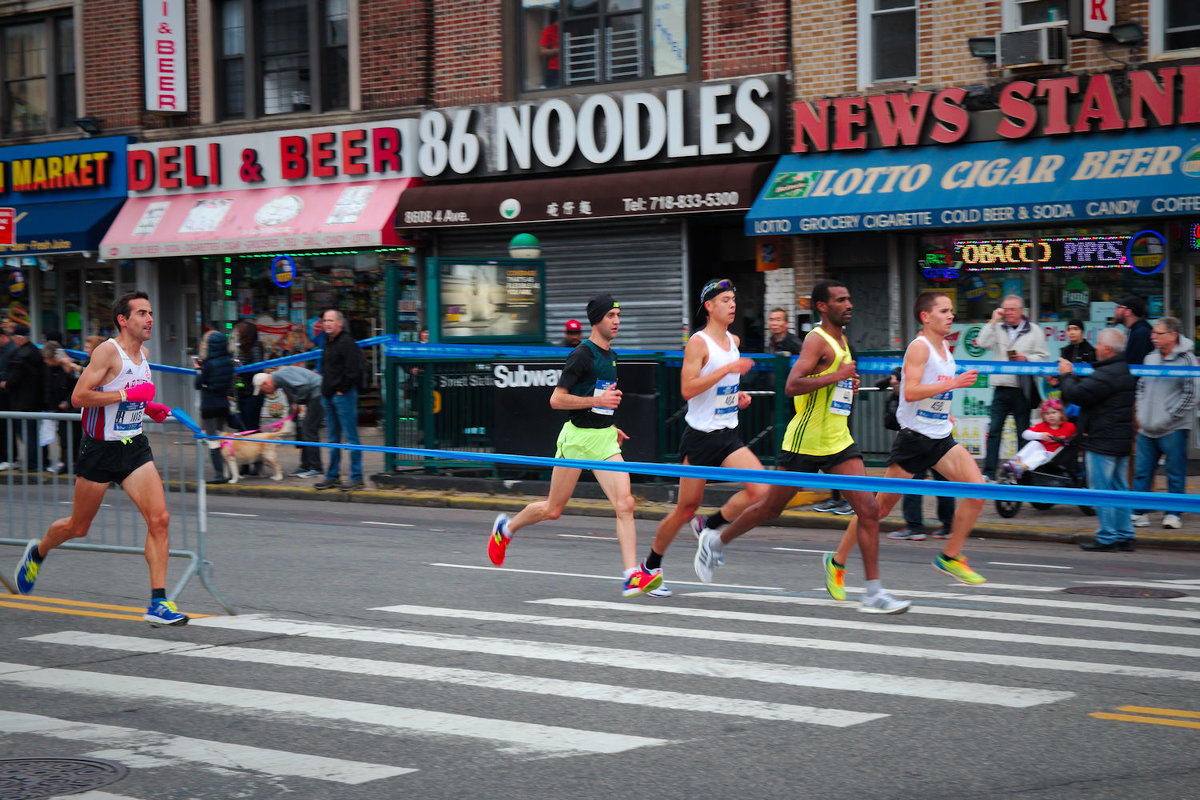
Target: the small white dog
(248, 448)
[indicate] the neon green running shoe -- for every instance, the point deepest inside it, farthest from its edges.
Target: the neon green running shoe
(835, 578)
(957, 568)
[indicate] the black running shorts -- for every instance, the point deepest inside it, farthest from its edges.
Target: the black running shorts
(112, 462)
(799, 462)
(709, 449)
(915, 452)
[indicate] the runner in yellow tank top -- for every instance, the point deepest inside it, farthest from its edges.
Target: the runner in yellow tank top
(820, 426)
(822, 381)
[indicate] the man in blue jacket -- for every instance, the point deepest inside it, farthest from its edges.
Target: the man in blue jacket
(1105, 400)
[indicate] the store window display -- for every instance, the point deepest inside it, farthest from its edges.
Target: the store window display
(1063, 274)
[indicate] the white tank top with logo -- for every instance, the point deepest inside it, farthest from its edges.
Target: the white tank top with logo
(930, 416)
(716, 407)
(122, 419)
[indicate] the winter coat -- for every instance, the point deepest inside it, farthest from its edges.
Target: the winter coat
(1082, 353)
(215, 379)
(1167, 404)
(1139, 344)
(245, 380)
(1105, 400)
(341, 364)
(25, 378)
(1030, 342)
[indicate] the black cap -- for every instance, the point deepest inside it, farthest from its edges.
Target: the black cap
(1134, 303)
(20, 329)
(711, 290)
(600, 305)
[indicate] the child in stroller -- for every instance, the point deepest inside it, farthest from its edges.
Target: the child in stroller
(1045, 439)
(1050, 459)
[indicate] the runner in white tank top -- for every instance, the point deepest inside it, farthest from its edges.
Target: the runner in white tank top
(717, 406)
(927, 383)
(115, 392)
(930, 416)
(121, 420)
(709, 381)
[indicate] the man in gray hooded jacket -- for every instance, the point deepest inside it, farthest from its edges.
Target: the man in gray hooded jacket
(1165, 409)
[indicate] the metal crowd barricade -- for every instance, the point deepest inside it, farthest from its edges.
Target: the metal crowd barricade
(36, 496)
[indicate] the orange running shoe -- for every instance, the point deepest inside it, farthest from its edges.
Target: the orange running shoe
(498, 542)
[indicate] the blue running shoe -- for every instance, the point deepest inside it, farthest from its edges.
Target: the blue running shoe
(164, 612)
(27, 569)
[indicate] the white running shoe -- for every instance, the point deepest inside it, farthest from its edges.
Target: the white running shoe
(696, 525)
(706, 556)
(1172, 521)
(662, 590)
(1141, 520)
(883, 603)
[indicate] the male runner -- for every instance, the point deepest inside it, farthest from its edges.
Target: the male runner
(709, 381)
(927, 384)
(823, 381)
(114, 392)
(587, 390)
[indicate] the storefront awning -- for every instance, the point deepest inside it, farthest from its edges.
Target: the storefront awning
(338, 215)
(684, 190)
(1028, 182)
(47, 228)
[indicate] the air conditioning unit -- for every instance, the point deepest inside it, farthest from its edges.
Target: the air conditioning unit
(1032, 48)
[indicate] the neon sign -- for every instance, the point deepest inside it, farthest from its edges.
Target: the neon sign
(939, 266)
(283, 271)
(1066, 252)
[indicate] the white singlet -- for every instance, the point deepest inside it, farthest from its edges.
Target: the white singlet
(716, 407)
(119, 420)
(930, 416)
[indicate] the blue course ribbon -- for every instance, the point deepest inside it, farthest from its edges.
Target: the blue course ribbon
(863, 483)
(871, 366)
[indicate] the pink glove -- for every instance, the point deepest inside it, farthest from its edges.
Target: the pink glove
(157, 411)
(142, 393)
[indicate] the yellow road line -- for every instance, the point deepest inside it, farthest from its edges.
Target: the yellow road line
(66, 602)
(46, 604)
(76, 612)
(1174, 723)
(1169, 712)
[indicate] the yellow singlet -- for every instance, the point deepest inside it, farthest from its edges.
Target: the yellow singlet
(817, 430)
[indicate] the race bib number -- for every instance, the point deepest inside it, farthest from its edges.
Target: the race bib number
(128, 418)
(727, 399)
(936, 408)
(841, 401)
(601, 386)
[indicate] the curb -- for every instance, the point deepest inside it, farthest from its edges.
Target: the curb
(652, 510)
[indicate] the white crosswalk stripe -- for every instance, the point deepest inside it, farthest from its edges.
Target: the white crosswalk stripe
(578, 653)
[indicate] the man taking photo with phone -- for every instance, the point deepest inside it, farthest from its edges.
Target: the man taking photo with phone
(1010, 336)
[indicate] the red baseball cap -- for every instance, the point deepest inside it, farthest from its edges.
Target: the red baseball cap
(573, 325)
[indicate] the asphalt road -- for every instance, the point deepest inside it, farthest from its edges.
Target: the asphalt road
(377, 654)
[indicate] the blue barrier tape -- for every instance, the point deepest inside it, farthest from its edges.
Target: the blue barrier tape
(863, 483)
(870, 366)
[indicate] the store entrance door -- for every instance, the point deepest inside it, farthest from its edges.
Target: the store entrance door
(868, 286)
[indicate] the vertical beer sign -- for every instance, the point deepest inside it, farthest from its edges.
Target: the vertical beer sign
(164, 45)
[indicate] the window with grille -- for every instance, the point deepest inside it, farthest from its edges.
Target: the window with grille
(588, 42)
(37, 61)
(1181, 30)
(887, 40)
(281, 56)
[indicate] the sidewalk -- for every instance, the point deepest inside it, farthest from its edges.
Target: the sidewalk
(1064, 524)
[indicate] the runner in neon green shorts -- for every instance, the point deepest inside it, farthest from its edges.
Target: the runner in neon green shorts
(587, 390)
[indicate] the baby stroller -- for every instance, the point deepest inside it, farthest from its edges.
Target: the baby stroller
(1063, 470)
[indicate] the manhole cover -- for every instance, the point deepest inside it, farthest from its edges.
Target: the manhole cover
(32, 778)
(1124, 591)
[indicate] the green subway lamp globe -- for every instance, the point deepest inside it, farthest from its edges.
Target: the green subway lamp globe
(524, 245)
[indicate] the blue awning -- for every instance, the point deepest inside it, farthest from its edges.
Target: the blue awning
(1027, 182)
(70, 227)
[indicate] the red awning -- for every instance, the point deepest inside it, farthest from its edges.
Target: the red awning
(328, 216)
